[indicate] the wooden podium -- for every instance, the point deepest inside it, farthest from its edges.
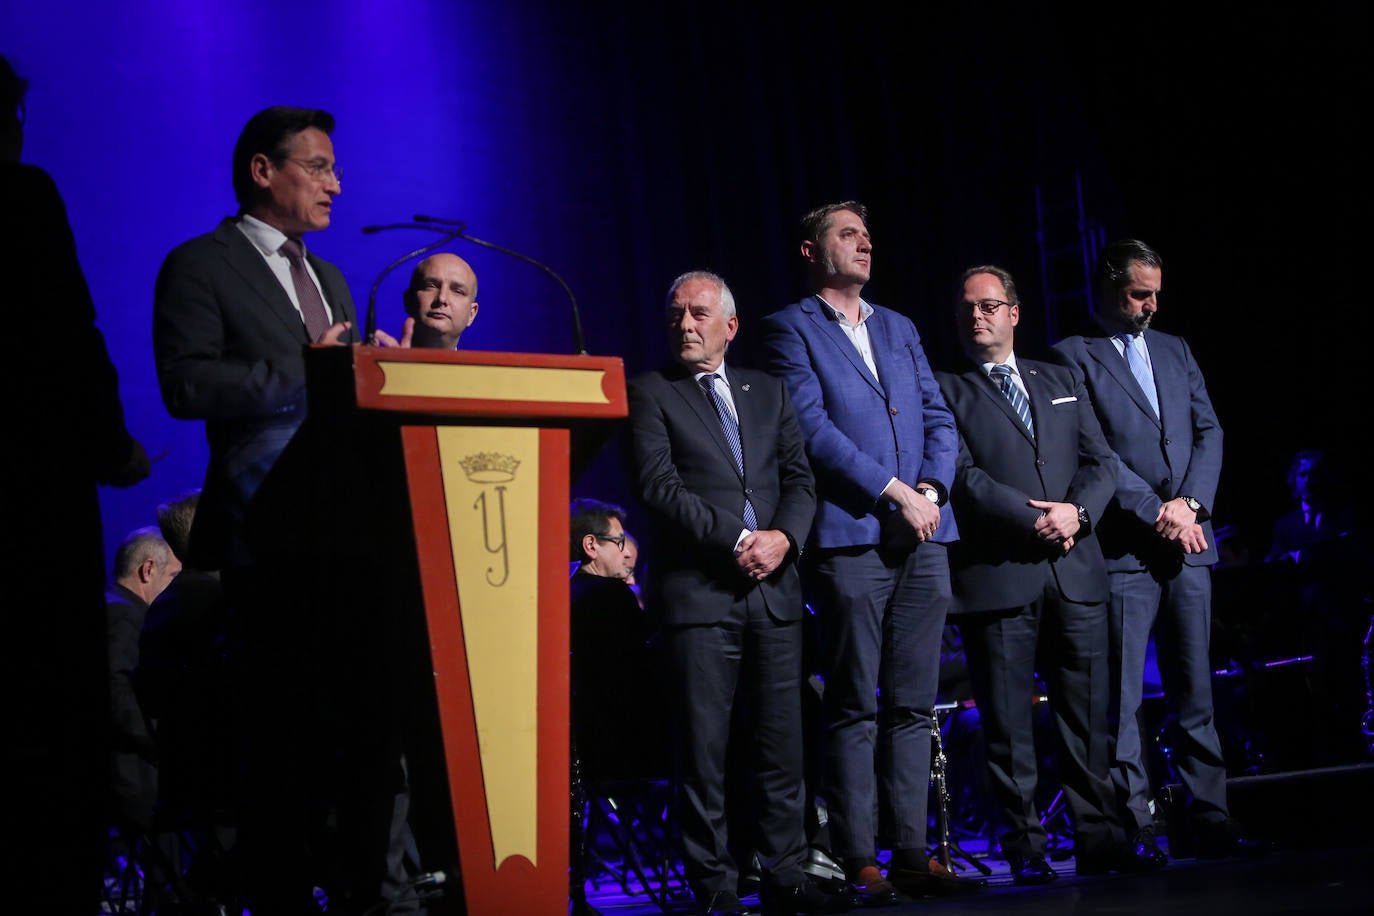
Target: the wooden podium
(486, 441)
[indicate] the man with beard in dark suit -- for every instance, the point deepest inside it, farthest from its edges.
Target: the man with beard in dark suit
(1156, 535)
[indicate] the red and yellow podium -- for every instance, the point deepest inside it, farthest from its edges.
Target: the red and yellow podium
(487, 440)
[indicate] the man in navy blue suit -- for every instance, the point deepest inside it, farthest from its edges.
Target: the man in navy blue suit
(882, 444)
(1034, 471)
(1157, 538)
(721, 467)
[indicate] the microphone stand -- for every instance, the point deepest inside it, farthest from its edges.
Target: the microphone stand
(455, 229)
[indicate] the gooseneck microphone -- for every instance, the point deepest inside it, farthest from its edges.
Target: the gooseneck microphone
(455, 229)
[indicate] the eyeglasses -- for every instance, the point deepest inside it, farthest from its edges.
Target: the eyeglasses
(619, 542)
(986, 306)
(318, 169)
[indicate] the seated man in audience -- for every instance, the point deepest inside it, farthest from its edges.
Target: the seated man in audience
(143, 567)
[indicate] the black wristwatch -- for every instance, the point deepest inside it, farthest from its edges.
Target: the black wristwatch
(1085, 524)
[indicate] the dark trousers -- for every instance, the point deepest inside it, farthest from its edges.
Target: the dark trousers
(1071, 640)
(753, 659)
(881, 620)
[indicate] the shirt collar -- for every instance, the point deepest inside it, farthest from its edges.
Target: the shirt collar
(719, 370)
(865, 310)
(265, 238)
(1010, 361)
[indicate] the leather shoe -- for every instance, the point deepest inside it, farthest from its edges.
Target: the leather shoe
(798, 899)
(825, 871)
(1031, 870)
(721, 903)
(872, 888)
(1144, 854)
(938, 881)
(1224, 839)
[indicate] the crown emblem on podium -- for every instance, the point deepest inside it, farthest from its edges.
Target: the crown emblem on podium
(489, 467)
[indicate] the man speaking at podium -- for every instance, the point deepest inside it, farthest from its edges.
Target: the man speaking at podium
(233, 312)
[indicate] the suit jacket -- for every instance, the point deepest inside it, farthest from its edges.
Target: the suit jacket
(133, 766)
(861, 433)
(999, 562)
(687, 478)
(1175, 454)
(230, 350)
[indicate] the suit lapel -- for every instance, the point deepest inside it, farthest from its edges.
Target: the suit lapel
(747, 408)
(830, 328)
(338, 302)
(1104, 352)
(700, 404)
(989, 389)
(248, 263)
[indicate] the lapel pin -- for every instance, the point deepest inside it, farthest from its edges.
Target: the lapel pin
(743, 387)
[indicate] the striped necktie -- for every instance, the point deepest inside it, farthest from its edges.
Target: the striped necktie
(1001, 374)
(730, 427)
(1140, 367)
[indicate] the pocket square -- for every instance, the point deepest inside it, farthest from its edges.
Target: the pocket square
(1063, 400)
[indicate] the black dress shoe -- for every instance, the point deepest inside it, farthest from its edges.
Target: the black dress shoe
(721, 903)
(1031, 870)
(1225, 839)
(800, 900)
(1142, 854)
(1145, 854)
(938, 881)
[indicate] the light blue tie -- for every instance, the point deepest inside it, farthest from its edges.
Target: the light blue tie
(1140, 368)
(731, 430)
(1001, 374)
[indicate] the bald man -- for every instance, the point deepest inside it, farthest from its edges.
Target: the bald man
(441, 302)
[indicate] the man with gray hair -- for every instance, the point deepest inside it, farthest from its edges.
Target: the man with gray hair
(722, 469)
(143, 566)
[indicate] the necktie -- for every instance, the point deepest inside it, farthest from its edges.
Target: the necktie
(1001, 374)
(307, 294)
(1140, 368)
(731, 430)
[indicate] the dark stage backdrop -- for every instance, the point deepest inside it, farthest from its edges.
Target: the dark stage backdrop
(621, 146)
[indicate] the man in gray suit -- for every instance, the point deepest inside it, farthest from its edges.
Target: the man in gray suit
(233, 313)
(1028, 578)
(1156, 535)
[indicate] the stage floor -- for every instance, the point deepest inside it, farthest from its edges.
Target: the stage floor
(1298, 881)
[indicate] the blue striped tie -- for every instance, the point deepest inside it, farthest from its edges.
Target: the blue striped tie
(1001, 373)
(731, 430)
(1140, 368)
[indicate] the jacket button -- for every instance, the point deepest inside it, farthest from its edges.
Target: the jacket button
(1040, 462)
(1168, 441)
(892, 410)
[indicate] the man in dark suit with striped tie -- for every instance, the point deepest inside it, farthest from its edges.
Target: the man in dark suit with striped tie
(721, 467)
(1029, 582)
